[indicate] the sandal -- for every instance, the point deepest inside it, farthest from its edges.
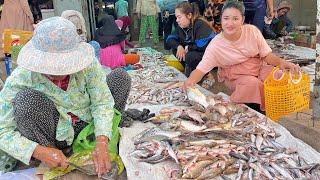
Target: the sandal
(207, 84)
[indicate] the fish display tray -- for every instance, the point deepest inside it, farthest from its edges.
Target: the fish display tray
(160, 171)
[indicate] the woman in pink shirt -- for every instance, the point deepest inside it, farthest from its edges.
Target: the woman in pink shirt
(112, 42)
(243, 57)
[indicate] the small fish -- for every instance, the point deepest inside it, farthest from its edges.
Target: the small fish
(264, 171)
(197, 106)
(259, 140)
(196, 95)
(281, 170)
(171, 152)
(231, 107)
(140, 154)
(189, 126)
(193, 114)
(241, 108)
(195, 170)
(253, 138)
(190, 164)
(250, 174)
(221, 109)
(240, 172)
(238, 156)
(153, 132)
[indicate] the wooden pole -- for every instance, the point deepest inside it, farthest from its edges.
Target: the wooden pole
(316, 96)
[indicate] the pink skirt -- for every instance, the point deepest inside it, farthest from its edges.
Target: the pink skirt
(245, 80)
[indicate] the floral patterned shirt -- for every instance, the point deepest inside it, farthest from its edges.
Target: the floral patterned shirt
(87, 97)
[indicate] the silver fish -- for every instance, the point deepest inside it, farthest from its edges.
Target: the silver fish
(171, 152)
(153, 132)
(189, 126)
(259, 140)
(250, 174)
(281, 170)
(196, 95)
(240, 173)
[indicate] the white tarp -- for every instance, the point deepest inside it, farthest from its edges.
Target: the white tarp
(144, 171)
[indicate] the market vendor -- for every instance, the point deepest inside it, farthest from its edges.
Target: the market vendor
(243, 57)
(280, 25)
(192, 36)
(56, 90)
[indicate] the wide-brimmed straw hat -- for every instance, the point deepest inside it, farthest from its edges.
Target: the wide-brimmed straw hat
(56, 49)
(284, 4)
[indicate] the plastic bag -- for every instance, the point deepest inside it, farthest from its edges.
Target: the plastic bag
(84, 145)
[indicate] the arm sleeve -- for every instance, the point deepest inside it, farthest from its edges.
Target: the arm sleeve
(209, 60)
(264, 48)
(202, 34)
(101, 100)
(11, 141)
(173, 41)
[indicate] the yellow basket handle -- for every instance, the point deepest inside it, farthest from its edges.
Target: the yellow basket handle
(294, 81)
(275, 69)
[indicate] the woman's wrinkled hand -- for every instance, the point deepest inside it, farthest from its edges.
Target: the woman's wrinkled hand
(101, 156)
(50, 156)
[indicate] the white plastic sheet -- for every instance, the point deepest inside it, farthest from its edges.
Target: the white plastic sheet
(143, 171)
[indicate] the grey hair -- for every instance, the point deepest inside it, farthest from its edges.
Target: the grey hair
(233, 4)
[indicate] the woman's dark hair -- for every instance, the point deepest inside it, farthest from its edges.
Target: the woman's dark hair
(233, 4)
(189, 8)
(193, 8)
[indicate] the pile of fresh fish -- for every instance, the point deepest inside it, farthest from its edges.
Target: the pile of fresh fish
(149, 57)
(154, 75)
(214, 138)
(152, 146)
(147, 94)
(280, 44)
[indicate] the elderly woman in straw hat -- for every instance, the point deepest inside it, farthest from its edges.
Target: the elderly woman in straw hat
(280, 25)
(118, 79)
(57, 89)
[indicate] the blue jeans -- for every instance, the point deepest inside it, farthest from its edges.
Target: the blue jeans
(256, 16)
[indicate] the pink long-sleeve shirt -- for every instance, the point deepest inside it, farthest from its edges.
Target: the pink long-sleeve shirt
(112, 56)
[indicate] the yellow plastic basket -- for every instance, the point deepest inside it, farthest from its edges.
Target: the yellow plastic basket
(13, 37)
(286, 95)
(173, 62)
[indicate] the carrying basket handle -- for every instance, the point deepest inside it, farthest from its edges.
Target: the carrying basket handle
(296, 81)
(274, 71)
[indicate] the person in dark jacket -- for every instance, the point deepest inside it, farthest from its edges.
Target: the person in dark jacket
(191, 38)
(256, 10)
(281, 25)
(36, 11)
(168, 18)
(201, 5)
